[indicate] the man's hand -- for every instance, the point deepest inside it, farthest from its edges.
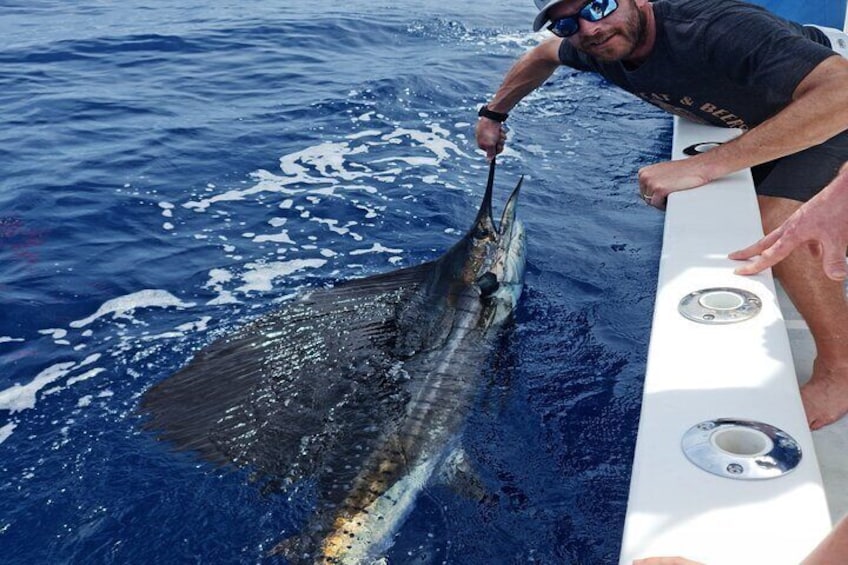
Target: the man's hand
(822, 222)
(657, 181)
(491, 137)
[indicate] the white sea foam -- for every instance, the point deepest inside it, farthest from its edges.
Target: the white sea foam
(9, 339)
(224, 297)
(197, 326)
(217, 279)
(218, 276)
(6, 431)
(414, 161)
(261, 275)
(167, 209)
(20, 397)
(123, 306)
(436, 140)
(375, 248)
(365, 133)
(328, 164)
(93, 358)
(370, 212)
(85, 376)
(327, 158)
(332, 225)
(282, 237)
(367, 188)
(265, 182)
(181, 330)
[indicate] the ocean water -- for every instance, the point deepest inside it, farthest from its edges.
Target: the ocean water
(171, 171)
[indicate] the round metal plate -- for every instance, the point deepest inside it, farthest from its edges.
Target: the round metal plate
(741, 449)
(721, 305)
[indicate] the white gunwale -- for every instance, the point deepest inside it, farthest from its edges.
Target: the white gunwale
(697, 372)
(751, 371)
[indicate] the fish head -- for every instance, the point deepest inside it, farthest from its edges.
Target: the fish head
(495, 261)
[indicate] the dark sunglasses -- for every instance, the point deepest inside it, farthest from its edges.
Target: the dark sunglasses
(594, 11)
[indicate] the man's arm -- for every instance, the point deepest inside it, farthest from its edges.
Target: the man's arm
(818, 111)
(823, 220)
(525, 76)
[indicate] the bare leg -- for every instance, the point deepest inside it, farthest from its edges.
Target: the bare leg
(822, 303)
(833, 548)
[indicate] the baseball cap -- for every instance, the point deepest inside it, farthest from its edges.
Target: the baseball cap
(542, 17)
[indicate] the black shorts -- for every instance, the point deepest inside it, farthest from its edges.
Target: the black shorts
(802, 175)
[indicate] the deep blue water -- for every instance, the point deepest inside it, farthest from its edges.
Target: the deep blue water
(172, 170)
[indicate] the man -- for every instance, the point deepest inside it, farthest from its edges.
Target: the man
(727, 63)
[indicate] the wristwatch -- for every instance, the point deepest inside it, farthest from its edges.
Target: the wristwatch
(492, 115)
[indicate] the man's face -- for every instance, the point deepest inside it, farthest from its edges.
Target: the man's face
(611, 39)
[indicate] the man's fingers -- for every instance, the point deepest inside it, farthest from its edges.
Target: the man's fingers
(833, 261)
(750, 251)
(758, 247)
(768, 258)
(490, 137)
(754, 267)
(492, 144)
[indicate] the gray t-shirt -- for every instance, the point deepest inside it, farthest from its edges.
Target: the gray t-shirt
(720, 62)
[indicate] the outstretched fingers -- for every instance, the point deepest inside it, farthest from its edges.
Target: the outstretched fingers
(771, 249)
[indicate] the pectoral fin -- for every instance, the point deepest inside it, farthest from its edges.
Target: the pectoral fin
(293, 387)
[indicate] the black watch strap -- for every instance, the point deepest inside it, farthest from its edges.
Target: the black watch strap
(492, 115)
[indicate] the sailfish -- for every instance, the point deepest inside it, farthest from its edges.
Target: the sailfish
(355, 394)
